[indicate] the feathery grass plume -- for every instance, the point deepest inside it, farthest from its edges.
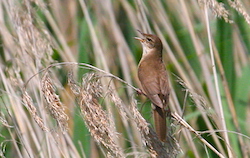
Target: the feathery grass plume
(217, 8)
(4, 121)
(118, 103)
(198, 100)
(32, 38)
(99, 123)
(54, 104)
(155, 147)
(32, 110)
(73, 85)
(237, 5)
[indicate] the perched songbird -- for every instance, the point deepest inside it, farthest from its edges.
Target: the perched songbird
(154, 81)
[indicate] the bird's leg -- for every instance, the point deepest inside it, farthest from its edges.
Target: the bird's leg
(168, 112)
(153, 106)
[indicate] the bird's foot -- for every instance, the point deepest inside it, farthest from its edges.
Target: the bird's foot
(168, 112)
(139, 91)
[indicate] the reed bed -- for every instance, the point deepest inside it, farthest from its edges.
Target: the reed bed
(69, 78)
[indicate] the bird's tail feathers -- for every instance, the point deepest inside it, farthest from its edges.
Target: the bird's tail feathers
(160, 123)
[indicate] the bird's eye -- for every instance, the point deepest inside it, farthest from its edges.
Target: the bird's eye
(149, 39)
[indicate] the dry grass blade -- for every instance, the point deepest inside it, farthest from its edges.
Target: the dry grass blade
(54, 104)
(2, 150)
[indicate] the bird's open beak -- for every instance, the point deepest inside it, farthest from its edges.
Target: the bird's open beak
(138, 38)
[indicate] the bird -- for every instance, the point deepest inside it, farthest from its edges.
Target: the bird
(154, 82)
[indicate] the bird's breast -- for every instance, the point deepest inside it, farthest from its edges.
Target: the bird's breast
(149, 69)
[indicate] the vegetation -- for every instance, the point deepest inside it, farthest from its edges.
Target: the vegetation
(68, 78)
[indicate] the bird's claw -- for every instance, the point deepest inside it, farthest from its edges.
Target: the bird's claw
(139, 91)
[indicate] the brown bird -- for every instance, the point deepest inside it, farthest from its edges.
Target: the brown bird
(154, 81)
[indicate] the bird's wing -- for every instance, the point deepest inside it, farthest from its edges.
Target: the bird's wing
(157, 89)
(152, 90)
(164, 86)
(154, 81)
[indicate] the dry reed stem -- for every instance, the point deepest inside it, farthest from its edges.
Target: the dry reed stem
(216, 84)
(206, 110)
(155, 147)
(32, 110)
(230, 102)
(187, 126)
(98, 121)
(54, 104)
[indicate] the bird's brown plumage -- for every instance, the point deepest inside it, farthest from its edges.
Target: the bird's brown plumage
(153, 77)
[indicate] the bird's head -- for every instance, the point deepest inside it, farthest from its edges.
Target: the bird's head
(149, 42)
